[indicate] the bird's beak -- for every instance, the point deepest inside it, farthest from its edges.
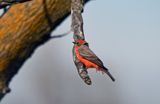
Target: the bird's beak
(74, 42)
(86, 44)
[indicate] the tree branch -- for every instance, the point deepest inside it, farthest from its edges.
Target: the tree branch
(23, 28)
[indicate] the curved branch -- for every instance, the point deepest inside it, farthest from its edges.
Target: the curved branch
(23, 28)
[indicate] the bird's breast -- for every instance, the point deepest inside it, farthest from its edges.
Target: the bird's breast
(86, 62)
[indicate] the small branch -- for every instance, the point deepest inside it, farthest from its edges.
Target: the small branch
(61, 35)
(77, 20)
(77, 28)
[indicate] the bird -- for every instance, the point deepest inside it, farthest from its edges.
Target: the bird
(88, 58)
(82, 71)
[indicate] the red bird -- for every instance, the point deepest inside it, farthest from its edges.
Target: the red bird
(82, 71)
(88, 58)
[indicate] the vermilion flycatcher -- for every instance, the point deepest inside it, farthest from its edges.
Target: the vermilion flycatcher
(82, 71)
(88, 58)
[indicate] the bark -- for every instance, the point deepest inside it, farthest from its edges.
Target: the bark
(23, 28)
(4, 3)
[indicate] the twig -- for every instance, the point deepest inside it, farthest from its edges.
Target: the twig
(77, 20)
(61, 35)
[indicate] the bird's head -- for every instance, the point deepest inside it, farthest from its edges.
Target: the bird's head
(80, 42)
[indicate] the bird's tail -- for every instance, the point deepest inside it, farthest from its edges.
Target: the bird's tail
(108, 73)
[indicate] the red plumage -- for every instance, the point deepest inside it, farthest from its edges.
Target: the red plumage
(88, 58)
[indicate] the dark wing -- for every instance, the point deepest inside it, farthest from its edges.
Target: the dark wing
(86, 53)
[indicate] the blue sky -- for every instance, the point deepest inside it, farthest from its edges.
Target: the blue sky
(125, 34)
